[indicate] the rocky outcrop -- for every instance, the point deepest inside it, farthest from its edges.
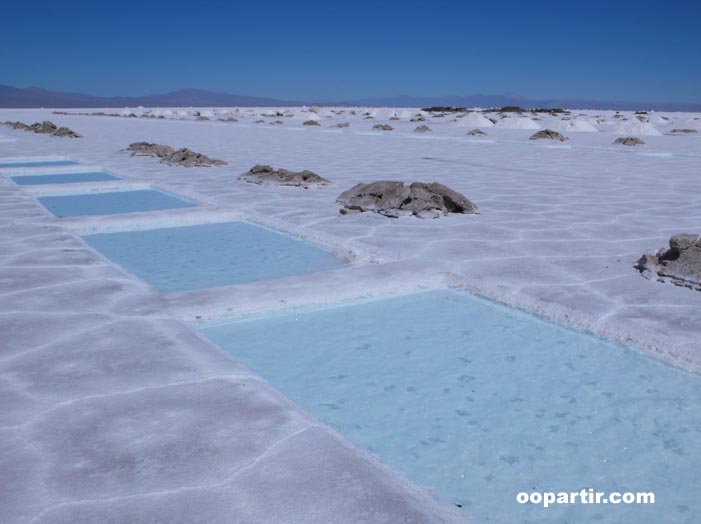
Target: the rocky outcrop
(17, 125)
(267, 175)
(382, 127)
(66, 132)
(628, 141)
(394, 199)
(186, 158)
(45, 128)
(311, 123)
(683, 131)
(182, 157)
(477, 132)
(680, 264)
(342, 125)
(422, 129)
(148, 149)
(548, 134)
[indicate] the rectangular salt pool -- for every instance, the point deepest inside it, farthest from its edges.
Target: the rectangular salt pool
(62, 178)
(209, 255)
(481, 402)
(38, 163)
(112, 203)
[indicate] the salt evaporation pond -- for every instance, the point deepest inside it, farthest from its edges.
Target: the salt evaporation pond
(38, 163)
(192, 257)
(479, 402)
(112, 203)
(63, 178)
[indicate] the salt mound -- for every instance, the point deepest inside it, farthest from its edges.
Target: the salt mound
(474, 120)
(634, 127)
(690, 123)
(579, 125)
(517, 123)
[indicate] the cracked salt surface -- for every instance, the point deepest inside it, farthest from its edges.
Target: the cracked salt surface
(480, 402)
(559, 232)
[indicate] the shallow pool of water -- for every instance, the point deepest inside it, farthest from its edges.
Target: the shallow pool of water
(479, 402)
(209, 255)
(112, 203)
(62, 178)
(38, 163)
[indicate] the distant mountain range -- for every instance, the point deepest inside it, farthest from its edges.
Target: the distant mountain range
(35, 97)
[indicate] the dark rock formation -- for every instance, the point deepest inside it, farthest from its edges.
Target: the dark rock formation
(342, 125)
(628, 141)
(311, 123)
(680, 264)
(382, 127)
(148, 149)
(683, 131)
(422, 129)
(267, 175)
(17, 125)
(392, 199)
(187, 158)
(66, 132)
(548, 134)
(445, 109)
(46, 127)
(477, 132)
(182, 157)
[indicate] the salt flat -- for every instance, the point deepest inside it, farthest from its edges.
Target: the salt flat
(103, 379)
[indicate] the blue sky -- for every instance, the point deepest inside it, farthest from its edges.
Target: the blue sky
(615, 50)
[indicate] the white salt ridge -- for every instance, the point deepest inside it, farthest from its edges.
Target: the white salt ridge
(473, 120)
(634, 127)
(517, 123)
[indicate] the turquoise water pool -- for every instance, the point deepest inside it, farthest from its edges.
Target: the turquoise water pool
(192, 257)
(63, 178)
(480, 402)
(38, 163)
(112, 203)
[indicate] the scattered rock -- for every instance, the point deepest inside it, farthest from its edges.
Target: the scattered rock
(201, 118)
(393, 199)
(477, 132)
(417, 118)
(187, 158)
(66, 132)
(148, 149)
(229, 119)
(680, 264)
(382, 127)
(44, 127)
(548, 134)
(182, 157)
(342, 125)
(628, 141)
(422, 129)
(267, 175)
(17, 125)
(311, 123)
(683, 131)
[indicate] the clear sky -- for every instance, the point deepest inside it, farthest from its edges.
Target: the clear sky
(610, 50)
